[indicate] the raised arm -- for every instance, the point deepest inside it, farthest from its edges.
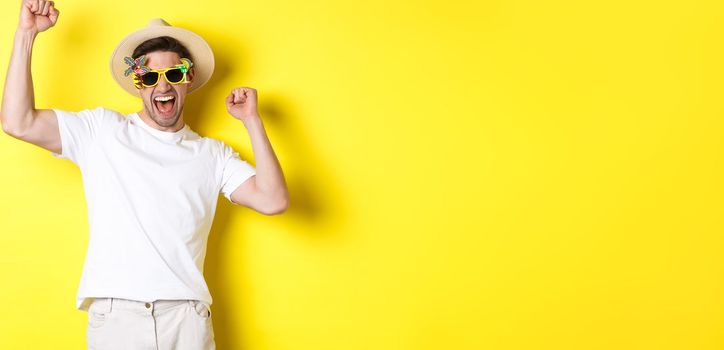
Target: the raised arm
(19, 117)
(265, 192)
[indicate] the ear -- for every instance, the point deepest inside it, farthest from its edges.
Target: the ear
(190, 75)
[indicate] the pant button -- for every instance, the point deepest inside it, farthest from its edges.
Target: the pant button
(148, 305)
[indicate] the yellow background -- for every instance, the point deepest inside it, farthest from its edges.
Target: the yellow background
(463, 174)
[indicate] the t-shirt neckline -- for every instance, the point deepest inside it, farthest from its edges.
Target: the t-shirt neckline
(164, 135)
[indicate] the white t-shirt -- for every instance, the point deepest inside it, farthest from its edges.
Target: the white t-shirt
(151, 199)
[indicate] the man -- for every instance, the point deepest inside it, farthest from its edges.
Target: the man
(151, 183)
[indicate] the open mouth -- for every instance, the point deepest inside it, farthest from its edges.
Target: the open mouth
(164, 104)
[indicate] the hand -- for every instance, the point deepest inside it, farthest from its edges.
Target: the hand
(37, 15)
(241, 104)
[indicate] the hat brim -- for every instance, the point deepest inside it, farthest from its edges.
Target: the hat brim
(202, 56)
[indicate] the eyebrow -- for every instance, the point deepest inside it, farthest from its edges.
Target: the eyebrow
(174, 66)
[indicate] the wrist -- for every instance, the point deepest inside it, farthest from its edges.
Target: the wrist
(252, 118)
(252, 121)
(27, 33)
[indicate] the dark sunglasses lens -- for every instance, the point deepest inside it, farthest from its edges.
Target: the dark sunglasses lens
(174, 75)
(149, 78)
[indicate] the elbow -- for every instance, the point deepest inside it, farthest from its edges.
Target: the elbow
(12, 129)
(14, 132)
(8, 129)
(277, 206)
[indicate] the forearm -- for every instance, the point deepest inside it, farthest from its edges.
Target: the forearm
(18, 102)
(269, 176)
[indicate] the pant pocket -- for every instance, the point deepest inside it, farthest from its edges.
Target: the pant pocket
(98, 313)
(96, 320)
(199, 328)
(202, 309)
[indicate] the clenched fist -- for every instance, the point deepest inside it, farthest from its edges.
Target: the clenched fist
(37, 15)
(241, 104)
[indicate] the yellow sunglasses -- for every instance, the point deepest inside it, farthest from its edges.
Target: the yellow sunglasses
(147, 77)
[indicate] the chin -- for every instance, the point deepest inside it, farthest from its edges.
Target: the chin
(165, 122)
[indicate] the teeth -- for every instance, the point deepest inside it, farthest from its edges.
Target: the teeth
(164, 98)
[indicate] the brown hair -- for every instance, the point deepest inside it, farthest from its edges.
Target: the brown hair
(162, 43)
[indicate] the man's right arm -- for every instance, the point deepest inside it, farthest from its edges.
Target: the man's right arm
(19, 117)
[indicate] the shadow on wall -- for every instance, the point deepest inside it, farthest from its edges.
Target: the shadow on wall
(309, 201)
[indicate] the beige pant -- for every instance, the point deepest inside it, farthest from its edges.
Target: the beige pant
(160, 325)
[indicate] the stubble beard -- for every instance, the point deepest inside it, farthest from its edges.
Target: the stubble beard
(162, 121)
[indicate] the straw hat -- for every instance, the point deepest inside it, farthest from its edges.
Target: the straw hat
(202, 56)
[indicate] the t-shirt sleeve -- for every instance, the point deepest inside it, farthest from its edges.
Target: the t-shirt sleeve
(78, 131)
(235, 171)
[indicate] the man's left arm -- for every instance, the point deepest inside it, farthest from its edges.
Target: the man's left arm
(265, 192)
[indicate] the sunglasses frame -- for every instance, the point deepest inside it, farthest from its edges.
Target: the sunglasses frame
(138, 82)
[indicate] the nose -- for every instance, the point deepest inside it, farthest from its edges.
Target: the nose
(163, 85)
